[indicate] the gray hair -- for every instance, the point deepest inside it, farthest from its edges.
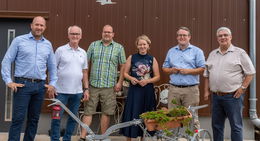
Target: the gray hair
(224, 28)
(80, 30)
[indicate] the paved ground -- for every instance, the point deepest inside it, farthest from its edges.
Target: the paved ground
(3, 137)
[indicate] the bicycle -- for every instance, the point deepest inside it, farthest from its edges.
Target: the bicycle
(201, 134)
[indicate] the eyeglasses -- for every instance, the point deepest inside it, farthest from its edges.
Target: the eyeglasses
(107, 32)
(74, 34)
(182, 35)
(223, 35)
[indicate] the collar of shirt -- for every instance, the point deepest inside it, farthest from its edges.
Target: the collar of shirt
(188, 47)
(70, 48)
(112, 43)
(230, 49)
(32, 37)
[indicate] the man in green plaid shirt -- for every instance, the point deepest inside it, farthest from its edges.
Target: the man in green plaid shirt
(105, 57)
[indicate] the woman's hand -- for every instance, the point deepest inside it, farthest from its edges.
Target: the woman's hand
(134, 81)
(143, 82)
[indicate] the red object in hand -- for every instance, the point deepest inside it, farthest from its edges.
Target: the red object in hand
(56, 112)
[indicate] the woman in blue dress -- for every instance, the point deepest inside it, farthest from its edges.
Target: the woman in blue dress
(142, 70)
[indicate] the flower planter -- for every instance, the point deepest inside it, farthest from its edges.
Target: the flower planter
(175, 122)
(152, 125)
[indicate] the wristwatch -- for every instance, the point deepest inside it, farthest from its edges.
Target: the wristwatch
(243, 88)
(85, 89)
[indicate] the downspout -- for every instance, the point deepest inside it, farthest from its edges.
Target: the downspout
(252, 98)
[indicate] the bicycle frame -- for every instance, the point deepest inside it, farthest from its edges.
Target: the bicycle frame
(137, 122)
(91, 135)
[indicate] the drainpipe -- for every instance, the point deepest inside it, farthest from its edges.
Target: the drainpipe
(252, 99)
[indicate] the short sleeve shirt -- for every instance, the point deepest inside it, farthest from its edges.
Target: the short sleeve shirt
(226, 72)
(70, 63)
(190, 58)
(105, 61)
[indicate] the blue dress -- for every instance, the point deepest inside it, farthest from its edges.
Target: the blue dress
(139, 99)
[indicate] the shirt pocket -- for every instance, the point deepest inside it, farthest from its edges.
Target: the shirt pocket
(232, 66)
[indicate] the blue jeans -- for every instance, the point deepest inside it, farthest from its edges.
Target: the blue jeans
(227, 107)
(27, 99)
(73, 102)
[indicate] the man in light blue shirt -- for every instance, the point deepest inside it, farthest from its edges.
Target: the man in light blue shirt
(184, 63)
(32, 55)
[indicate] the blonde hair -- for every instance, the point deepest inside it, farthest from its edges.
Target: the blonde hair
(143, 37)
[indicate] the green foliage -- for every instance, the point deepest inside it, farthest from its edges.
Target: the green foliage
(178, 111)
(174, 101)
(167, 132)
(163, 117)
(189, 132)
(158, 116)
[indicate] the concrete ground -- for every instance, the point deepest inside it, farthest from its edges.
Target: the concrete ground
(39, 137)
(44, 126)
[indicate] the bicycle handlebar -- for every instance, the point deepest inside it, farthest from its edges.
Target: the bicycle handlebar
(58, 102)
(193, 108)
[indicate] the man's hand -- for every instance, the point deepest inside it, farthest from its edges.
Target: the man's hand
(238, 93)
(13, 86)
(184, 71)
(51, 91)
(118, 87)
(86, 95)
(206, 95)
(175, 70)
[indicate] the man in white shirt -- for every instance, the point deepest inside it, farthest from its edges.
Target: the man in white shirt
(72, 72)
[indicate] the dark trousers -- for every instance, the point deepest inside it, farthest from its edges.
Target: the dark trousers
(27, 100)
(227, 107)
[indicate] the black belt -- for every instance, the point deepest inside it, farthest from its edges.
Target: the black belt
(223, 93)
(28, 79)
(184, 86)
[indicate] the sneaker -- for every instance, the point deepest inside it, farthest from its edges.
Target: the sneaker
(82, 139)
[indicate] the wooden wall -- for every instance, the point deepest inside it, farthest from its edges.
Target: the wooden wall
(158, 19)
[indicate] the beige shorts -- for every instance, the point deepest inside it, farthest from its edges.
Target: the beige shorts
(106, 97)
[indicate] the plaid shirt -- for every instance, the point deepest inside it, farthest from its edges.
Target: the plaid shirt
(104, 63)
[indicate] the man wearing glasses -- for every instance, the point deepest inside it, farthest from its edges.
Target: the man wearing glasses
(104, 57)
(184, 63)
(72, 73)
(228, 73)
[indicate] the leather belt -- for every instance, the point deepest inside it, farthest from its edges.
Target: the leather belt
(222, 93)
(183, 86)
(28, 79)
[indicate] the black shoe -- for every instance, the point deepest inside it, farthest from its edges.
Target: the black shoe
(82, 139)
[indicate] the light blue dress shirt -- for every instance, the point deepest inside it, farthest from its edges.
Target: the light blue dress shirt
(190, 58)
(32, 58)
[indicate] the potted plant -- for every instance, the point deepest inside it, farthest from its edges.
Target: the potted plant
(165, 119)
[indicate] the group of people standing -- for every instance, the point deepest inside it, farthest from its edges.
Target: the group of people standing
(75, 74)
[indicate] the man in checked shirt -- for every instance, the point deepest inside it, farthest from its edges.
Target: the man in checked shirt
(104, 57)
